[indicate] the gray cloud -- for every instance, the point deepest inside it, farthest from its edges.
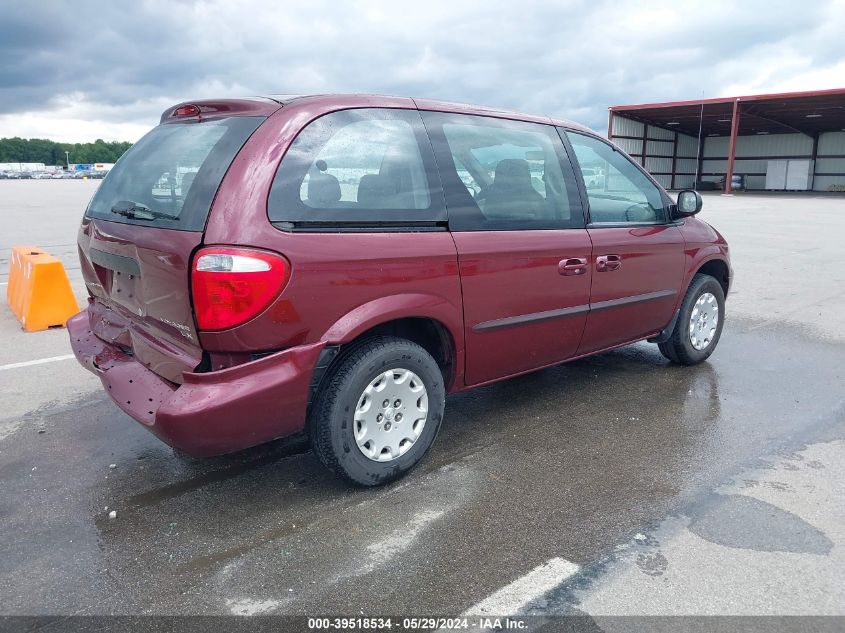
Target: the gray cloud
(570, 59)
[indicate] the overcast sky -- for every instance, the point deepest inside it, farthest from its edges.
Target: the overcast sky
(76, 71)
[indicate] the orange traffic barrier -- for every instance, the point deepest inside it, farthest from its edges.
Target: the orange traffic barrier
(39, 292)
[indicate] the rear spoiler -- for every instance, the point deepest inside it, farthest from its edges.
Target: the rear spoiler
(218, 108)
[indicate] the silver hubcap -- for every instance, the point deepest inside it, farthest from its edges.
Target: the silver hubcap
(703, 321)
(390, 415)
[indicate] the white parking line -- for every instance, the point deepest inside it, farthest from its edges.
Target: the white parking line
(40, 361)
(512, 598)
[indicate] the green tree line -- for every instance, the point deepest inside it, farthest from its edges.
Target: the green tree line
(40, 150)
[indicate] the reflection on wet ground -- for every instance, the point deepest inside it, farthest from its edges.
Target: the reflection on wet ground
(564, 462)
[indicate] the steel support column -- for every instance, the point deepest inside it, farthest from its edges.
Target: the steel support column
(645, 145)
(699, 153)
(729, 175)
(674, 159)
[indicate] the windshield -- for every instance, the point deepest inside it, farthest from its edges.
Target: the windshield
(169, 177)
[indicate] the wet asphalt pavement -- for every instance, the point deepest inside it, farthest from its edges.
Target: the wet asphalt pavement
(575, 462)
(566, 462)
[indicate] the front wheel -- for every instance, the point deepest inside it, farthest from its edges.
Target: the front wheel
(699, 323)
(378, 411)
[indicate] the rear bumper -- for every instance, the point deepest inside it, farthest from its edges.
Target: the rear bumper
(210, 413)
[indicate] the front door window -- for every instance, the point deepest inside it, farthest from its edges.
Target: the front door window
(617, 190)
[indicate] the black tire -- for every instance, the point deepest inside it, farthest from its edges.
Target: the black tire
(330, 420)
(679, 349)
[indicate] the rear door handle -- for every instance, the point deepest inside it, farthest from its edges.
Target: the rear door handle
(573, 266)
(608, 263)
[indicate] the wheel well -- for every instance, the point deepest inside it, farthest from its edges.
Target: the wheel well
(429, 334)
(719, 270)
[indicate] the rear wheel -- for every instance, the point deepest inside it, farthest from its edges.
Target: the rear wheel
(378, 411)
(699, 323)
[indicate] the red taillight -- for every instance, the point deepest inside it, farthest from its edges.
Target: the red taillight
(230, 286)
(186, 110)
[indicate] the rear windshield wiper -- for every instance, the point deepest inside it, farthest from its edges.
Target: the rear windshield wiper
(137, 211)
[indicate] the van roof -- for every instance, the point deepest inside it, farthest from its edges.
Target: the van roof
(268, 104)
(379, 100)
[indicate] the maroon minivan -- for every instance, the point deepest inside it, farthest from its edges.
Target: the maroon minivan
(337, 264)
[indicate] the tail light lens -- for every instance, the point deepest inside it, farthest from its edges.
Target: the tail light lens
(230, 286)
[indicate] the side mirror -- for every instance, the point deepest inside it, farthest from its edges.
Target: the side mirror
(689, 203)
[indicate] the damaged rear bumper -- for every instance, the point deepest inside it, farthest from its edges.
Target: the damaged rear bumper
(210, 413)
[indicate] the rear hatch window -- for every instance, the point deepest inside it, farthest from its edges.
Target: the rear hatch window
(169, 178)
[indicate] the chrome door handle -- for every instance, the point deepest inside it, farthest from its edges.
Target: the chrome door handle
(572, 266)
(608, 263)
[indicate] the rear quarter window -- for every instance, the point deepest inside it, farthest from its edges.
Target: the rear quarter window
(368, 166)
(170, 177)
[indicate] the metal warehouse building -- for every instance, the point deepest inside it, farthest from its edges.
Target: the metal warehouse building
(782, 142)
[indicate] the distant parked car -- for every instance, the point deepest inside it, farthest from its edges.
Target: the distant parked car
(3, 175)
(592, 178)
(323, 266)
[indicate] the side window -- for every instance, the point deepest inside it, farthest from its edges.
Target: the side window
(618, 192)
(363, 165)
(503, 175)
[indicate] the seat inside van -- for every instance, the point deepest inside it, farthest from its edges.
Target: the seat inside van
(511, 195)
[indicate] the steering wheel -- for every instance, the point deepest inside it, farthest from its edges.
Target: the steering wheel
(639, 213)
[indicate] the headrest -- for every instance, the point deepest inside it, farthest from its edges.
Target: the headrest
(187, 181)
(377, 191)
(512, 170)
(323, 189)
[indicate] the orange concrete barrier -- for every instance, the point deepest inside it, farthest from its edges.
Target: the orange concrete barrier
(39, 292)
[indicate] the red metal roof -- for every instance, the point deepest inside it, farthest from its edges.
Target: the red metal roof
(809, 112)
(774, 95)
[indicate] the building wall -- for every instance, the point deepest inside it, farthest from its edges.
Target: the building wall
(830, 144)
(664, 153)
(752, 155)
(771, 146)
